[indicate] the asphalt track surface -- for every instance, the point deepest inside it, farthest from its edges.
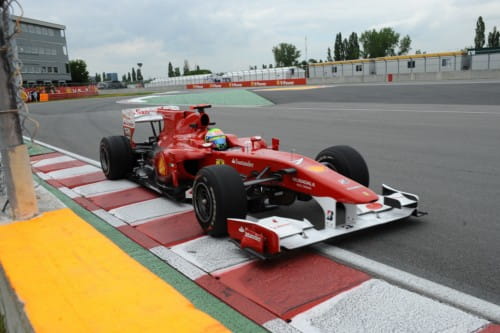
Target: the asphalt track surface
(440, 141)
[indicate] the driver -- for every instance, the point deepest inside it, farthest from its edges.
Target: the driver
(217, 138)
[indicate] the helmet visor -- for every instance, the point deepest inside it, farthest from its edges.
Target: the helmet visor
(219, 142)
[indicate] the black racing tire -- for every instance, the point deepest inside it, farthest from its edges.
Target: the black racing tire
(347, 161)
(218, 194)
(117, 159)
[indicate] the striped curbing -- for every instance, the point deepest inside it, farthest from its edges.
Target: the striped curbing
(293, 292)
(199, 297)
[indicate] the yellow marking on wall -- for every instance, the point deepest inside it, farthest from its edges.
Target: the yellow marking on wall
(73, 279)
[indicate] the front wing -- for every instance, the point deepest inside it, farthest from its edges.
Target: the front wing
(268, 236)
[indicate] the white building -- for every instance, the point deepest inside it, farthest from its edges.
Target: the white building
(417, 63)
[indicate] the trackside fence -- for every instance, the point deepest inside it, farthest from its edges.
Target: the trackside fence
(271, 75)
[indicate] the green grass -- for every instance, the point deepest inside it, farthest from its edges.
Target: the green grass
(2, 324)
(229, 97)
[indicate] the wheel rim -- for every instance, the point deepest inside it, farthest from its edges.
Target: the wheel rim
(203, 202)
(104, 161)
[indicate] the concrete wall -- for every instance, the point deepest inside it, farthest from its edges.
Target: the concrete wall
(139, 90)
(403, 77)
(495, 61)
(433, 64)
(392, 67)
(481, 62)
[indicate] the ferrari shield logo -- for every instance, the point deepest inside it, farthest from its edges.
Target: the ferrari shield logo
(219, 161)
(162, 166)
(316, 168)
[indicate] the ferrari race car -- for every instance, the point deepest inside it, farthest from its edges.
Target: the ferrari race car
(249, 175)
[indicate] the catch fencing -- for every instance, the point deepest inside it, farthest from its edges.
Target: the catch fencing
(267, 74)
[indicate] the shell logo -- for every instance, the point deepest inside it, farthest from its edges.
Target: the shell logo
(162, 166)
(316, 168)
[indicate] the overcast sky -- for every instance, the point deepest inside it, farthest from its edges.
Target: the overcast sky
(230, 35)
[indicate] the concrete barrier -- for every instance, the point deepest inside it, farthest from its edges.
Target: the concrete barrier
(139, 90)
(434, 76)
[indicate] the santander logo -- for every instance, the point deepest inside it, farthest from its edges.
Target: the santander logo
(248, 164)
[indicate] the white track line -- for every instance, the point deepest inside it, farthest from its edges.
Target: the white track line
(79, 157)
(409, 281)
(396, 110)
(414, 283)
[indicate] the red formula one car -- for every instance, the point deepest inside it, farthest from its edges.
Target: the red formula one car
(249, 175)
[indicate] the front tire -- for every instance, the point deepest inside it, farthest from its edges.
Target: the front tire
(218, 194)
(347, 161)
(116, 156)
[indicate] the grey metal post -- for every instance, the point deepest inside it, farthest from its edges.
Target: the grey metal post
(18, 176)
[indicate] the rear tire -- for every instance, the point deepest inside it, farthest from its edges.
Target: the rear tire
(116, 156)
(218, 194)
(347, 161)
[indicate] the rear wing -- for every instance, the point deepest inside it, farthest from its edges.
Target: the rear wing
(141, 115)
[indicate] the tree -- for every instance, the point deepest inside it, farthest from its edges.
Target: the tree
(329, 55)
(199, 71)
(129, 78)
(479, 39)
(170, 70)
(185, 70)
(104, 76)
(97, 77)
(139, 75)
(124, 78)
(264, 66)
(379, 43)
(494, 38)
(337, 52)
(352, 52)
(285, 55)
(345, 48)
(177, 71)
(404, 45)
(270, 65)
(78, 69)
(134, 77)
